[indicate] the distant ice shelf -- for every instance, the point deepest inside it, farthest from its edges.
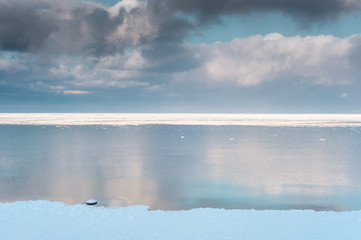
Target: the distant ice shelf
(121, 119)
(53, 220)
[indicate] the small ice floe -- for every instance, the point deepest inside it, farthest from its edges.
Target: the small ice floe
(230, 139)
(182, 137)
(322, 139)
(91, 202)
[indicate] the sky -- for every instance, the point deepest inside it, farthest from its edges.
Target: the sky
(206, 56)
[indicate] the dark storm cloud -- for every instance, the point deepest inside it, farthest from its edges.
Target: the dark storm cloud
(304, 9)
(171, 27)
(35, 24)
(98, 25)
(167, 51)
(24, 27)
(85, 32)
(80, 27)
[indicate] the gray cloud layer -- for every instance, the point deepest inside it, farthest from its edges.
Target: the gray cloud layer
(80, 27)
(24, 27)
(305, 9)
(77, 27)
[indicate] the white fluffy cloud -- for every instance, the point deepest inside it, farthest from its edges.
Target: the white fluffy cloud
(244, 62)
(12, 66)
(251, 61)
(11, 63)
(76, 92)
(119, 71)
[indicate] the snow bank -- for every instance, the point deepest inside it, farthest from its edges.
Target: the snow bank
(54, 220)
(121, 119)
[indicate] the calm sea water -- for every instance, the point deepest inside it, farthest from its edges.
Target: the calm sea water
(184, 166)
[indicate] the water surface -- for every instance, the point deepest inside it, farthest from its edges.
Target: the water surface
(170, 166)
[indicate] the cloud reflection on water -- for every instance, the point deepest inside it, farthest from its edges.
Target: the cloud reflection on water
(261, 167)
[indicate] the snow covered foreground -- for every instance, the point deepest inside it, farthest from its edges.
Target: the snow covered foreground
(54, 220)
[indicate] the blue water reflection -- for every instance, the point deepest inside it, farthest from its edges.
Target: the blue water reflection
(182, 167)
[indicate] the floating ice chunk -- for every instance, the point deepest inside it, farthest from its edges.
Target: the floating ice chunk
(91, 202)
(322, 139)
